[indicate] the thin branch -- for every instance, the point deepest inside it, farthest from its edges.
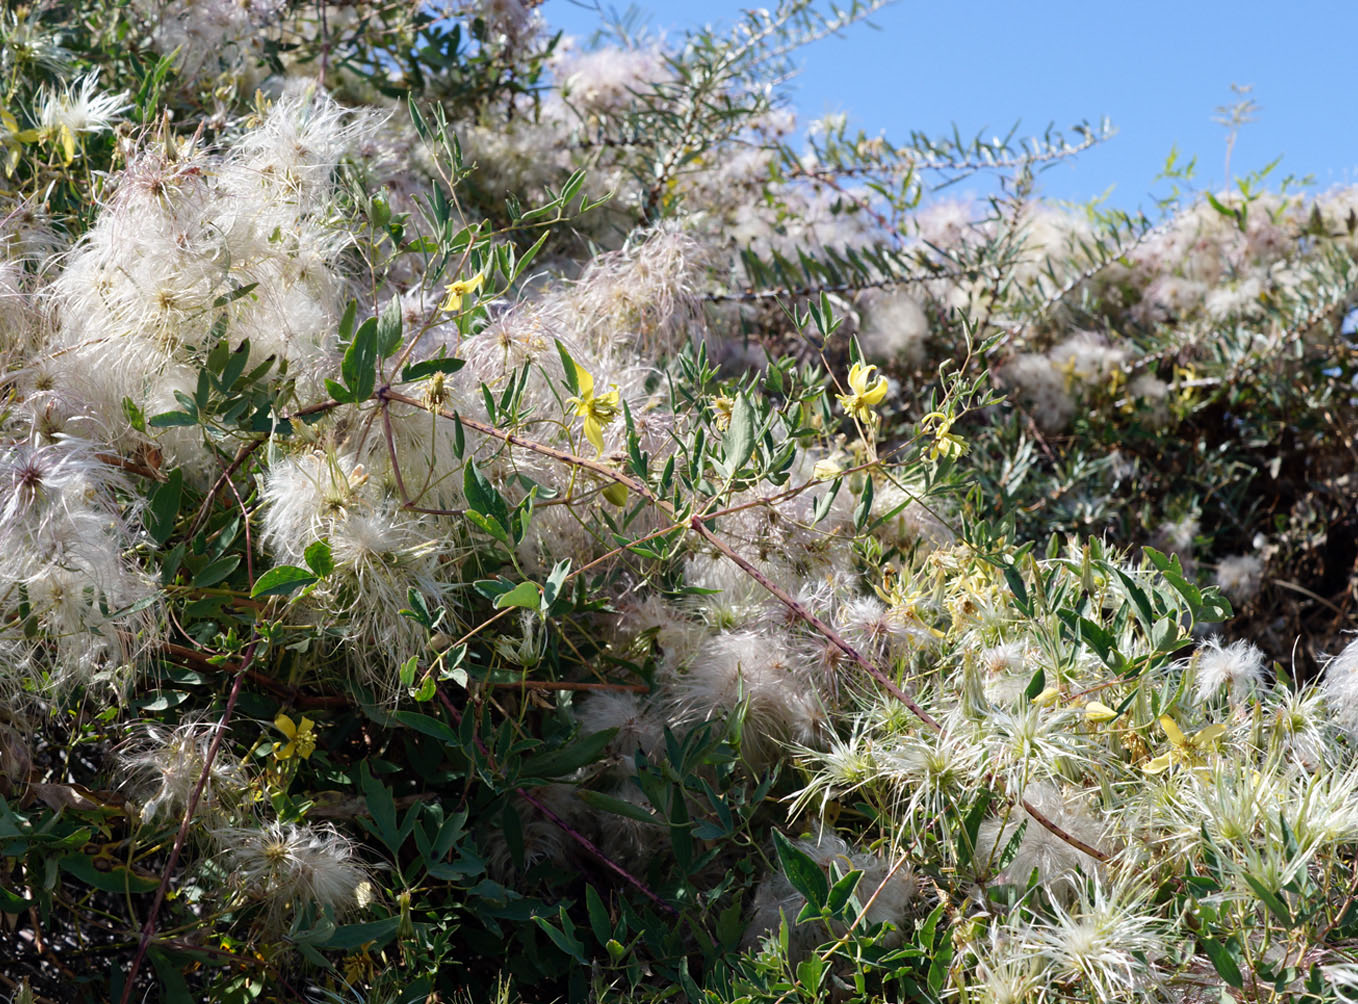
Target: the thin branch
(149, 929)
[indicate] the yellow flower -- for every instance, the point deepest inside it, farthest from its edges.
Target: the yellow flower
(946, 442)
(1185, 383)
(301, 738)
(12, 140)
(597, 410)
(1182, 750)
(452, 300)
(866, 394)
(722, 407)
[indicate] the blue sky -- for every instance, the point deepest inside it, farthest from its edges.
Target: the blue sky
(1157, 69)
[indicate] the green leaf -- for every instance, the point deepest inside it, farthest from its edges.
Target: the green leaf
(359, 368)
(1290, 845)
(527, 257)
(1011, 849)
(564, 936)
(938, 967)
(338, 392)
(526, 594)
(568, 365)
(1215, 608)
(216, 571)
(738, 443)
(172, 420)
(425, 691)
(691, 991)
(489, 526)
(482, 496)
(281, 580)
(571, 187)
(318, 559)
(804, 874)
(118, 878)
(810, 971)
(1097, 637)
(1271, 900)
(598, 916)
(971, 826)
(160, 700)
(841, 891)
(163, 507)
(431, 727)
(173, 987)
(135, 416)
(11, 902)
(864, 508)
(823, 504)
(389, 328)
(551, 589)
(381, 808)
(443, 364)
(235, 365)
(570, 757)
(1138, 597)
(618, 806)
(346, 324)
(1014, 578)
(235, 294)
(1222, 959)
(347, 937)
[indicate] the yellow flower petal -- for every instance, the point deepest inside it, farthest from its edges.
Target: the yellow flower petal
(1173, 731)
(865, 392)
(584, 381)
(452, 301)
(1209, 735)
(594, 432)
(1159, 765)
(873, 395)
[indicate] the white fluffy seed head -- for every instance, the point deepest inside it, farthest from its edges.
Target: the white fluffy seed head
(1237, 668)
(1340, 687)
(762, 674)
(1239, 576)
(1108, 940)
(895, 328)
(289, 867)
(639, 727)
(164, 767)
(1061, 867)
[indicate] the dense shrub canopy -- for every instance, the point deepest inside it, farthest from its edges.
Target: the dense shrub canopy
(491, 516)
